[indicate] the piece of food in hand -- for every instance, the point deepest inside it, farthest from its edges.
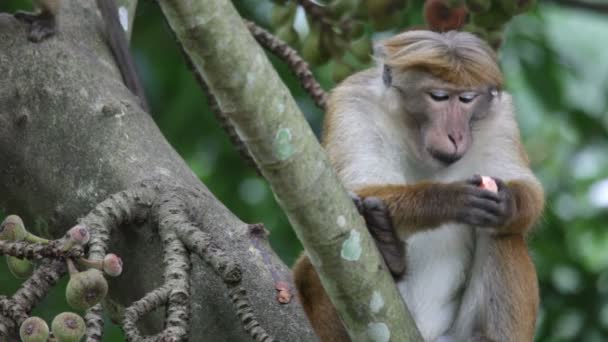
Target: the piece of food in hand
(488, 183)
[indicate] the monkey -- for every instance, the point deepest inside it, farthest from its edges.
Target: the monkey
(44, 25)
(410, 138)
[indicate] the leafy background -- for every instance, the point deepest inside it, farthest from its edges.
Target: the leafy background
(554, 59)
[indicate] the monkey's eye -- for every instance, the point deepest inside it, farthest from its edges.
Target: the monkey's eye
(467, 97)
(439, 95)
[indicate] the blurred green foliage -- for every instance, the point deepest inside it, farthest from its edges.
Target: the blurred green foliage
(554, 60)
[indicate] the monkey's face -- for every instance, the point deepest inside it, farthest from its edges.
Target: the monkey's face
(440, 116)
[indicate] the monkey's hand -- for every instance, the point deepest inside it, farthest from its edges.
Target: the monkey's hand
(476, 206)
(42, 25)
(380, 226)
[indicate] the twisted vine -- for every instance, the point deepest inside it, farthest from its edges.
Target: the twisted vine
(296, 64)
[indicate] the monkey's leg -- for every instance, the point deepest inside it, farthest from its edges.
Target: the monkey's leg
(512, 296)
(42, 24)
(320, 311)
(378, 220)
(501, 300)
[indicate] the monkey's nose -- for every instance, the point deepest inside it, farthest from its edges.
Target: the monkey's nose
(456, 139)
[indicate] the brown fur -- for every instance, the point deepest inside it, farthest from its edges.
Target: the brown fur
(510, 308)
(453, 57)
(529, 203)
(319, 309)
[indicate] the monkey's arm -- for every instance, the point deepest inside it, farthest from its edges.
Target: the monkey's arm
(426, 205)
(523, 204)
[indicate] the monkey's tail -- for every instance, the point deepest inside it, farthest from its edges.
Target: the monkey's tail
(120, 48)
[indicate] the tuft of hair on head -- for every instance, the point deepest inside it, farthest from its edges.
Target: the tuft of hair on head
(460, 58)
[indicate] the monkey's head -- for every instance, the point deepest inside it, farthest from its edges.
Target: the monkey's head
(442, 83)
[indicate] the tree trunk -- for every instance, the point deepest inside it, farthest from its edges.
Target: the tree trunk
(71, 134)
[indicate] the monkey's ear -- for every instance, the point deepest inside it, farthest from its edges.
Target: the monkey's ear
(387, 75)
(380, 55)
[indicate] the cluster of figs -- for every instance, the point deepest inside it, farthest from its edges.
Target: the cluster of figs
(87, 285)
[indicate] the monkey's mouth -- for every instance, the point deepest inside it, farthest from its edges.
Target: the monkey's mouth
(445, 158)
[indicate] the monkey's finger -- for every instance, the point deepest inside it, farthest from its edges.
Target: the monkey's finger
(479, 218)
(383, 233)
(391, 248)
(484, 194)
(504, 193)
(374, 203)
(500, 184)
(474, 180)
(376, 212)
(394, 259)
(395, 263)
(494, 208)
(378, 220)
